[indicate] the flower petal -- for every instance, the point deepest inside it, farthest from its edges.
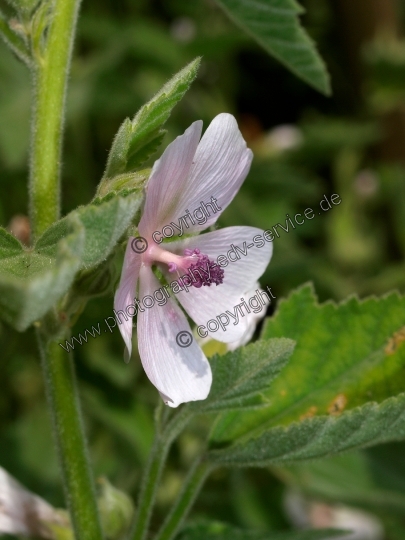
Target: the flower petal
(252, 319)
(221, 164)
(26, 514)
(180, 373)
(124, 295)
(240, 275)
(166, 182)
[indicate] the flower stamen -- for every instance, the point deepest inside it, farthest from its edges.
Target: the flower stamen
(204, 271)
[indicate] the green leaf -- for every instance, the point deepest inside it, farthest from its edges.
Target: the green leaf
(346, 355)
(275, 25)
(31, 282)
(25, 6)
(123, 183)
(103, 223)
(14, 40)
(319, 436)
(40, 21)
(241, 377)
(9, 245)
(139, 138)
(222, 531)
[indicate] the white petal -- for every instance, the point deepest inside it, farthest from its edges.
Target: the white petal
(221, 164)
(181, 374)
(186, 176)
(166, 182)
(207, 303)
(23, 512)
(252, 319)
(125, 293)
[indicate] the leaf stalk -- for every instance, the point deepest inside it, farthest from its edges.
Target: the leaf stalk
(191, 488)
(164, 436)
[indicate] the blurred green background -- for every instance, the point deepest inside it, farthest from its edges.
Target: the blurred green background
(305, 145)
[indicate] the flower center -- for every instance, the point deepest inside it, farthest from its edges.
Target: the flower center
(202, 270)
(199, 268)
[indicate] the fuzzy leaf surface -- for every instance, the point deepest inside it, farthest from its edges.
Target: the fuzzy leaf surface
(139, 138)
(32, 281)
(318, 437)
(9, 245)
(346, 355)
(241, 377)
(275, 25)
(13, 40)
(103, 225)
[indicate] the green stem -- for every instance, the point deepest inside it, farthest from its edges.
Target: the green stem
(68, 430)
(194, 482)
(50, 78)
(147, 495)
(153, 470)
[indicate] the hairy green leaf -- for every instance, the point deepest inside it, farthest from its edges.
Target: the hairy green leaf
(346, 355)
(24, 5)
(123, 184)
(222, 531)
(319, 436)
(139, 138)
(14, 40)
(275, 25)
(103, 225)
(31, 282)
(9, 245)
(241, 377)
(39, 23)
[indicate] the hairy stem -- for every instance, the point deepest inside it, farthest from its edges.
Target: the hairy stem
(60, 384)
(147, 496)
(153, 471)
(192, 485)
(50, 71)
(50, 78)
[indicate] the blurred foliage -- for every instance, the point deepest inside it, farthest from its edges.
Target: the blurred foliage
(125, 52)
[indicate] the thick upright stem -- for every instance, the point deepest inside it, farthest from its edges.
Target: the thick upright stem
(51, 70)
(63, 402)
(50, 77)
(192, 485)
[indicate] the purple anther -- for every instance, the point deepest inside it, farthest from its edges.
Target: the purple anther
(204, 271)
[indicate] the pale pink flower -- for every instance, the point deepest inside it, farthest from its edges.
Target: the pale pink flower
(252, 319)
(22, 513)
(189, 172)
